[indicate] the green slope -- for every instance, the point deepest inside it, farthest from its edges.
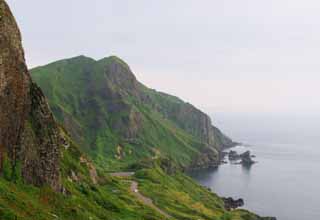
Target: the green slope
(103, 197)
(119, 121)
(123, 125)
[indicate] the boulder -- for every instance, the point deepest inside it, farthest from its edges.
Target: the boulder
(231, 203)
(246, 158)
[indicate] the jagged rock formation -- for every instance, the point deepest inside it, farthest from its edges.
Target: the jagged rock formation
(29, 137)
(246, 158)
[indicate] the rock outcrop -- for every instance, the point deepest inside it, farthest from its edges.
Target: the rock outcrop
(233, 155)
(246, 158)
(231, 203)
(14, 83)
(29, 136)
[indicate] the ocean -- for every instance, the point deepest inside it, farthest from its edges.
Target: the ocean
(285, 180)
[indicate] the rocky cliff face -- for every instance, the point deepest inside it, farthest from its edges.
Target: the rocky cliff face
(196, 123)
(189, 118)
(14, 82)
(185, 115)
(29, 137)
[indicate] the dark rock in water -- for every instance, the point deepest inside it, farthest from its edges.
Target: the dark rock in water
(246, 158)
(233, 155)
(231, 203)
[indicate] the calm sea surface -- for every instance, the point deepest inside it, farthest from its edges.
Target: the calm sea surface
(286, 180)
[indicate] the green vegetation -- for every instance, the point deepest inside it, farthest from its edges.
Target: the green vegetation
(82, 199)
(110, 198)
(179, 195)
(105, 197)
(182, 198)
(117, 120)
(121, 125)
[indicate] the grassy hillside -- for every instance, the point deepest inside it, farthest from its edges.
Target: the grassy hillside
(97, 195)
(123, 125)
(84, 196)
(119, 121)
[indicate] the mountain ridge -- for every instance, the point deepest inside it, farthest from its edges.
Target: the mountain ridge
(109, 91)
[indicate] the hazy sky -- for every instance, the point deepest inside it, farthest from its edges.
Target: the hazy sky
(221, 55)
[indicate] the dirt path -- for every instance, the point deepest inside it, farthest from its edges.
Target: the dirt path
(134, 189)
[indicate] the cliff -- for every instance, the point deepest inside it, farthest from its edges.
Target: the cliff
(29, 142)
(119, 121)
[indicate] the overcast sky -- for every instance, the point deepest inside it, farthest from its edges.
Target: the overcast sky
(221, 55)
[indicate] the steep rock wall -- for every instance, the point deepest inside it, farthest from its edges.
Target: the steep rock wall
(29, 137)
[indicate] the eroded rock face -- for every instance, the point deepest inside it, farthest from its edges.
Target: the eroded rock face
(14, 83)
(29, 136)
(39, 144)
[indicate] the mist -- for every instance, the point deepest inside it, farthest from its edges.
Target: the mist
(223, 56)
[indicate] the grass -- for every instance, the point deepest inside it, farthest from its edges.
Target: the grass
(99, 109)
(110, 198)
(95, 101)
(180, 196)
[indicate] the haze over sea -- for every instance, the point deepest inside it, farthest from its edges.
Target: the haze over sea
(285, 181)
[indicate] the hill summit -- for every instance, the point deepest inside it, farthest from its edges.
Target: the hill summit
(119, 120)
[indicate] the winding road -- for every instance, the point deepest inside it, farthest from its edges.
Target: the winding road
(134, 189)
